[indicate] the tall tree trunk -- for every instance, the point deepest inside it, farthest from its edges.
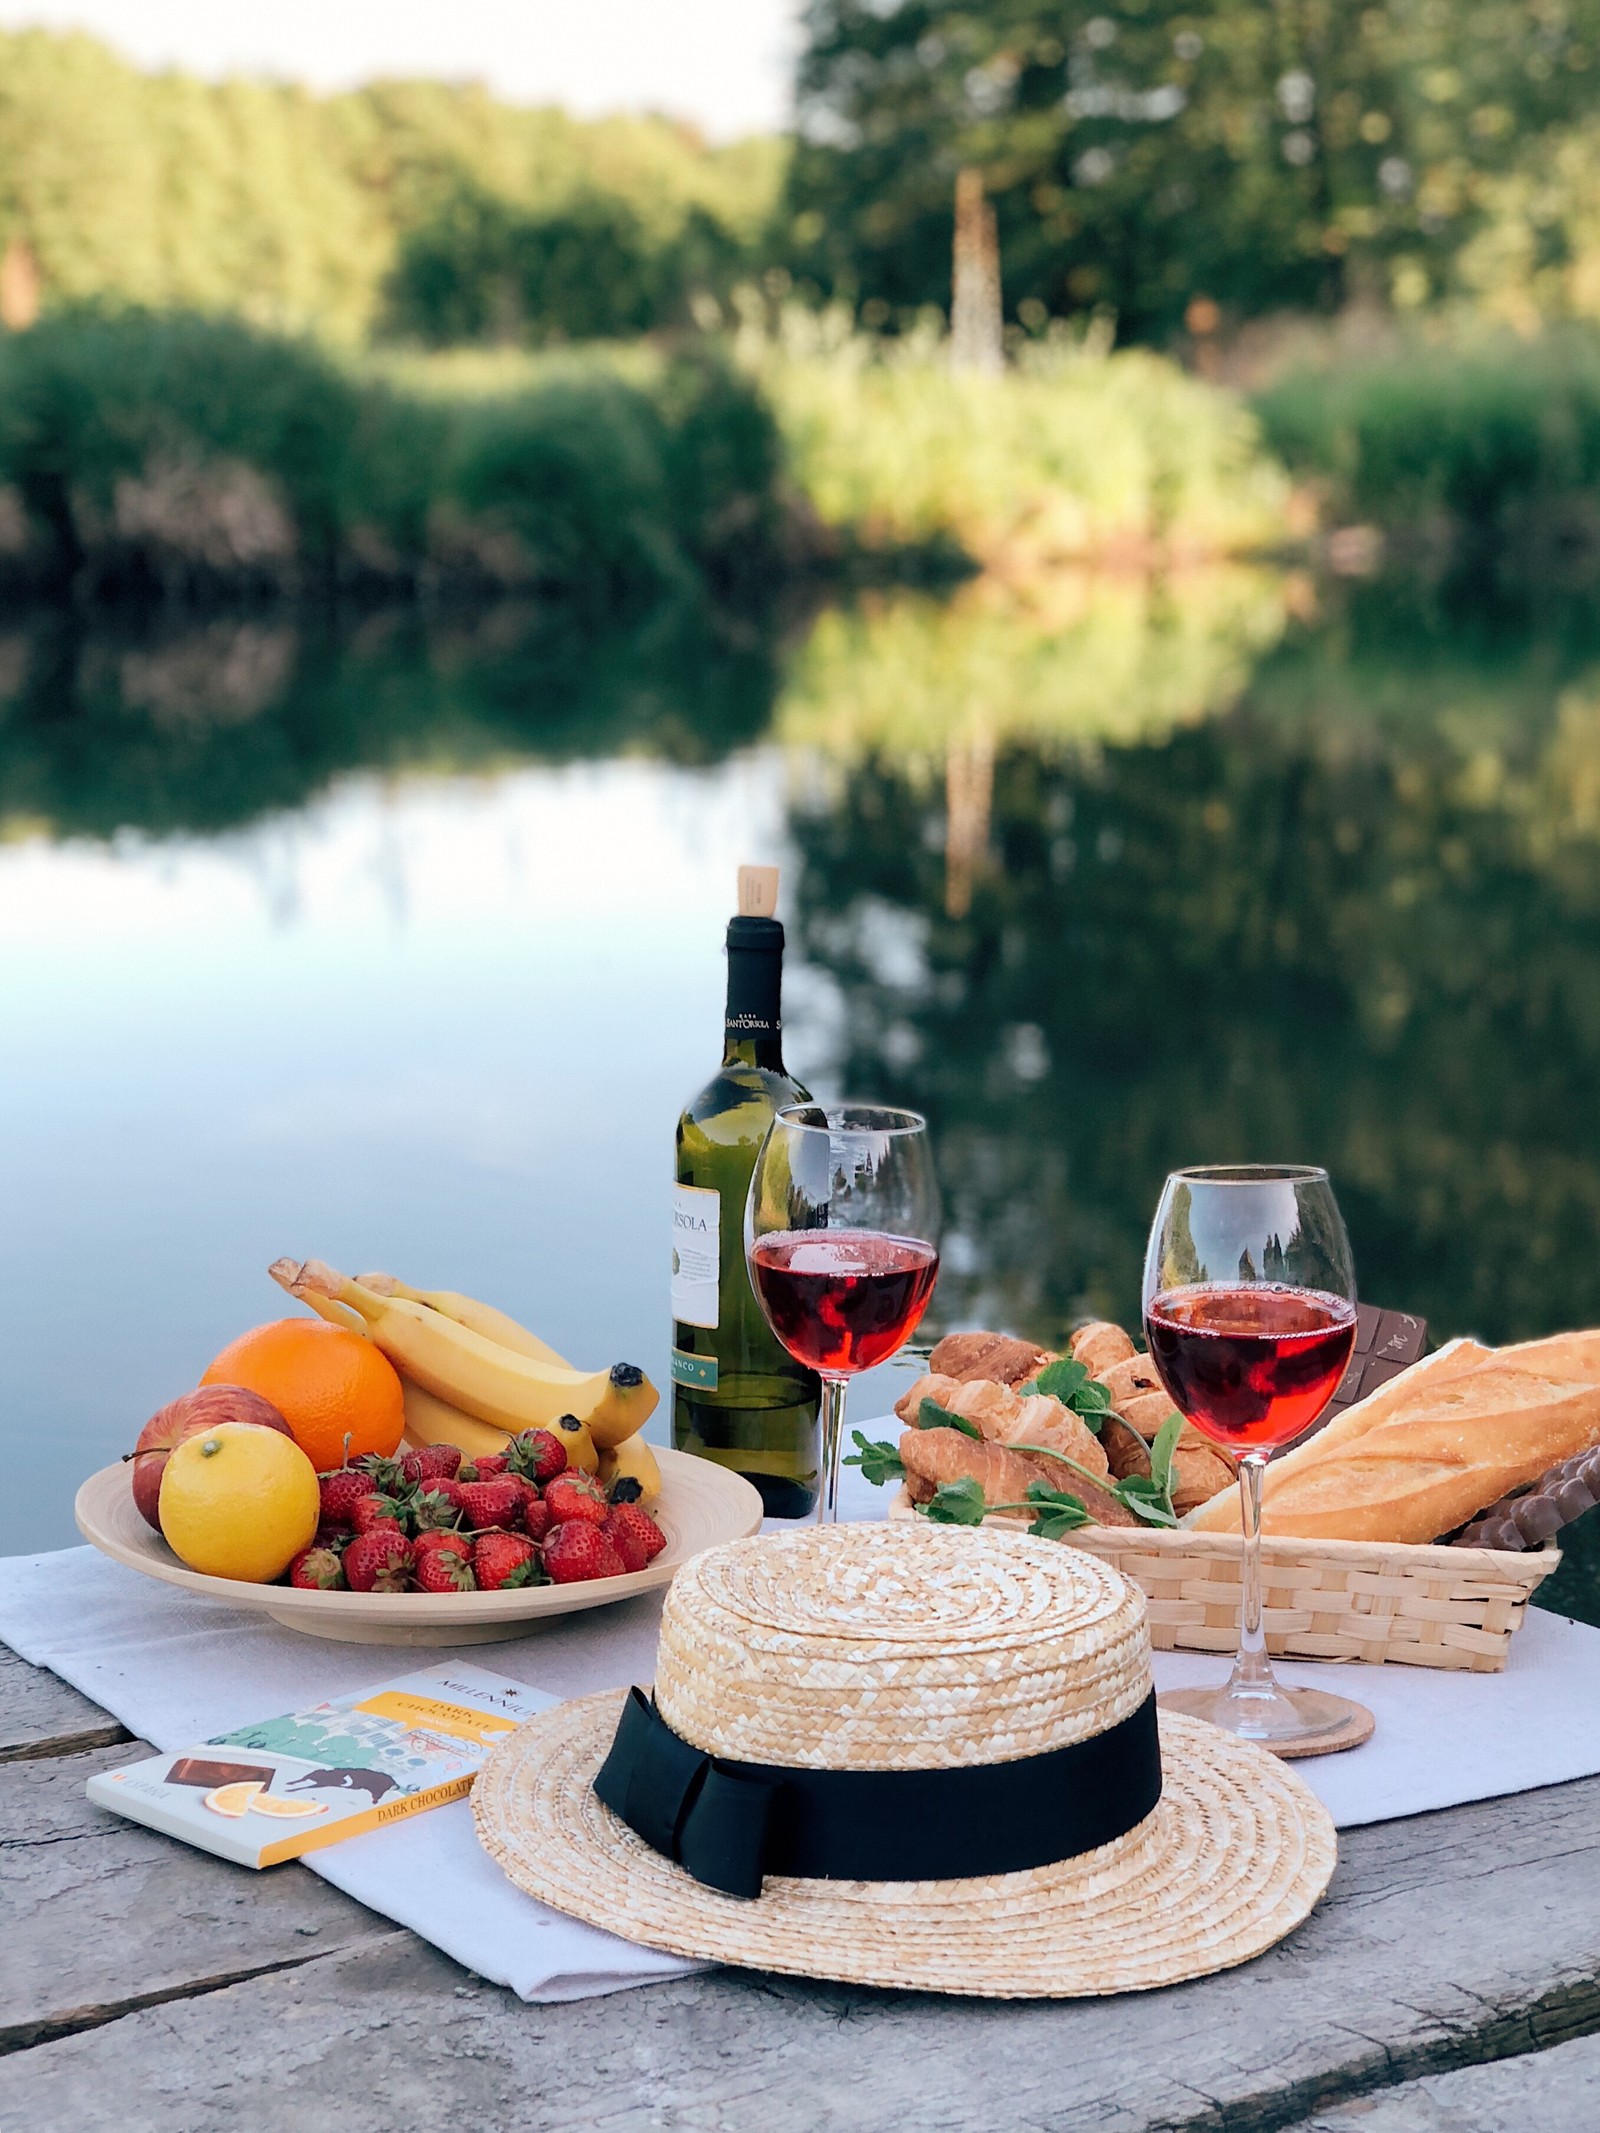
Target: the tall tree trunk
(19, 286)
(975, 342)
(968, 808)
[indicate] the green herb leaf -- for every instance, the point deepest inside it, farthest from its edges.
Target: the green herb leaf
(1145, 1501)
(878, 1462)
(1056, 1512)
(1071, 1384)
(1151, 1499)
(930, 1415)
(1165, 1445)
(1060, 1380)
(956, 1503)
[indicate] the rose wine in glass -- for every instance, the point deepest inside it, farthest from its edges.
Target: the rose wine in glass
(840, 1231)
(1250, 1319)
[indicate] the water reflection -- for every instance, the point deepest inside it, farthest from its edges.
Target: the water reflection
(1123, 876)
(165, 728)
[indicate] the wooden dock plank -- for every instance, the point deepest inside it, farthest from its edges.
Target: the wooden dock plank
(102, 1914)
(40, 1715)
(1447, 1940)
(1545, 2092)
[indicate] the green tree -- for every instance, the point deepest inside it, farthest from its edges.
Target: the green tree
(1145, 153)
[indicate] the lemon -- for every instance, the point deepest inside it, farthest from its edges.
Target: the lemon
(239, 1502)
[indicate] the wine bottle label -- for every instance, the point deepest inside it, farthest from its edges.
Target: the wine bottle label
(696, 1254)
(699, 1370)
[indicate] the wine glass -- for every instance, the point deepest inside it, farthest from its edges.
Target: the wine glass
(1249, 1315)
(840, 1233)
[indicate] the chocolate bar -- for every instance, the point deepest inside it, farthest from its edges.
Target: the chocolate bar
(1561, 1494)
(194, 1770)
(1387, 1342)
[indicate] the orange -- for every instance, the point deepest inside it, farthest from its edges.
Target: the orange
(324, 1380)
(268, 1803)
(233, 1800)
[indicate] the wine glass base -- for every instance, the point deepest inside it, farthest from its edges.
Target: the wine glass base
(1290, 1722)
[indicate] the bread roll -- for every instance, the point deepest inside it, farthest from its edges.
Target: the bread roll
(1199, 1470)
(1099, 1345)
(1006, 1417)
(1432, 1448)
(988, 1355)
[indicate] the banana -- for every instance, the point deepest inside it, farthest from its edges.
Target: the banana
(337, 1314)
(514, 1392)
(632, 1460)
(430, 1420)
(577, 1443)
(467, 1311)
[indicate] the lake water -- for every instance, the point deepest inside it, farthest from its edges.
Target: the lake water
(399, 945)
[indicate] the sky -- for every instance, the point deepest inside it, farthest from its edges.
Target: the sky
(723, 63)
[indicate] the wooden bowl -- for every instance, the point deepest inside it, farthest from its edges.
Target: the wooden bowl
(700, 1505)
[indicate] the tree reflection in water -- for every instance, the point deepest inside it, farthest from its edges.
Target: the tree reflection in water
(1108, 879)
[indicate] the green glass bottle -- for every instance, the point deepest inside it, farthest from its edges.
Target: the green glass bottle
(738, 1397)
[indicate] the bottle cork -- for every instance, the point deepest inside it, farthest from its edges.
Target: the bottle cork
(758, 892)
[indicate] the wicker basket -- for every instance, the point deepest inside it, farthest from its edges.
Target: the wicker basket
(1368, 1600)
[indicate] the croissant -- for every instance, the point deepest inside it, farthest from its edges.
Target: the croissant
(934, 1456)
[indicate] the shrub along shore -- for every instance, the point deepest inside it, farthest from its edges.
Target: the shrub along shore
(191, 457)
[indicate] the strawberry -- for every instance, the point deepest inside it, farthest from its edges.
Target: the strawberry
(378, 1561)
(539, 1454)
(489, 1503)
(375, 1509)
(580, 1550)
(387, 1476)
(340, 1490)
(634, 1534)
(491, 1465)
(536, 1518)
(504, 1560)
(442, 1540)
(573, 1496)
(434, 1462)
(338, 1538)
(317, 1569)
(437, 1503)
(445, 1570)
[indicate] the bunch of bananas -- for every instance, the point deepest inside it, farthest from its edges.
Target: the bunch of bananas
(474, 1377)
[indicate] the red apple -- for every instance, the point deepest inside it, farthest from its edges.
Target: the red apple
(180, 1418)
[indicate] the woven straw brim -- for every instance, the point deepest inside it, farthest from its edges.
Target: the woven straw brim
(1234, 1857)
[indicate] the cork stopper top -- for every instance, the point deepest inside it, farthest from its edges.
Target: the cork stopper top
(758, 892)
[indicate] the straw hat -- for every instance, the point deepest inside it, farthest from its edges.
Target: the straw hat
(933, 1672)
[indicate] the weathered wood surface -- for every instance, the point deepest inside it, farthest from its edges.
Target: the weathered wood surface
(42, 1716)
(1546, 2092)
(143, 1985)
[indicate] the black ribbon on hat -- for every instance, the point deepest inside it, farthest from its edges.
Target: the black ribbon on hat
(729, 1823)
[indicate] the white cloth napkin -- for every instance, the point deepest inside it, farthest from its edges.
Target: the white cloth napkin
(177, 1670)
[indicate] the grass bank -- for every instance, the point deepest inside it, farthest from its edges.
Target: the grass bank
(183, 456)
(1494, 439)
(1071, 456)
(189, 457)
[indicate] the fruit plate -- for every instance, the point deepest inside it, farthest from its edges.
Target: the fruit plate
(700, 1505)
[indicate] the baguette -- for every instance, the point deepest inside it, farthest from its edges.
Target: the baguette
(1221, 1513)
(1431, 1449)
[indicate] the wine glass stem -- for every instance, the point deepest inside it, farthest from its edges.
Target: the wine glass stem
(833, 1391)
(1252, 1670)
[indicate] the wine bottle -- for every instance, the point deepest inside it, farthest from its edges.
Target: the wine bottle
(738, 1397)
